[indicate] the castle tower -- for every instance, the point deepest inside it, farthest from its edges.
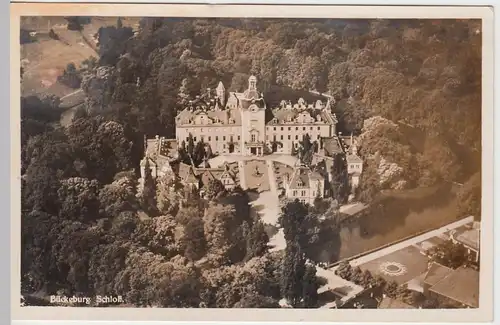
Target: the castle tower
(221, 93)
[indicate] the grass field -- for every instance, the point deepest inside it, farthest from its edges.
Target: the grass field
(45, 59)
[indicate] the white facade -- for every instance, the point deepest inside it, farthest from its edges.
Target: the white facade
(236, 122)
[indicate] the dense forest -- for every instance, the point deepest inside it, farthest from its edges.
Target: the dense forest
(86, 230)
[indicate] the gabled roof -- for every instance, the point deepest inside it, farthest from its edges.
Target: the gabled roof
(190, 176)
(206, 177)
(461, 285)
(300, 178)
(469, 238)
(228, 175)
(331, 146)
(152, 162)
(436, 273)
(353, 159)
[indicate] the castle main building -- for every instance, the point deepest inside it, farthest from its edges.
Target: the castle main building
(242, 123)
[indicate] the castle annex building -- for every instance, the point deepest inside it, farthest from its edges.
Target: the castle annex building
(242, 123)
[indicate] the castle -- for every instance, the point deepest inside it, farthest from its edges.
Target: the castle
(242, 124)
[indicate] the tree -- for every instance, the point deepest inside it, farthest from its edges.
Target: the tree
(252, 300)
(53, 34)
(148, 196)
(79, 199)
(306, 149)
(118, 197)
(340, 179)
(292, 219)
(344, 270)
(450, 254)
(357, 275)
(192, 239)
(292, 274)
(169, 194)
(256, 240)
(469, 197)
(74, 23)
(190, 147)
(310, 288)
(391, 289)
(222, 233)
(214, 189)
(199, 152)
(367, 279)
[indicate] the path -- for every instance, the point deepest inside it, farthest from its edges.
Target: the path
(272, 177)
(241, 171)
(409, 242)
(334, 283)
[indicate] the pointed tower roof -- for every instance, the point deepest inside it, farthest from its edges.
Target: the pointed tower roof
(220, 86)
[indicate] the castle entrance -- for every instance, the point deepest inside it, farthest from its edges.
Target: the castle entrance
(253, 151)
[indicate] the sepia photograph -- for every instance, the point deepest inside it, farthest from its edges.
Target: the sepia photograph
(250, 162)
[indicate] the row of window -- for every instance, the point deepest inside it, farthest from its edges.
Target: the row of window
(289, 137)
(357, 166)
(214, 129)
(302, 193)
(231, 138)
(296, 128)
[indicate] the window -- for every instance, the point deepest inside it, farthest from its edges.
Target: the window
(289, 137)
(303, 193)
(294, 193)
(194, 139)
(253, 137)
(274, 128)
(209, 138)
(289, 128)
(304, 128)
(318, 136)
(282, 137)
(274, 137)
(187, 138)
(352, 166)
(296, 128)
(216, 138)
(224, 138)
(239, 137)
(281, 128)
(296, 137)
(319, 128)
(311, 128)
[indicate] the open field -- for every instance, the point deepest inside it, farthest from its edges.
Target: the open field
(45, 59)
(256, 175)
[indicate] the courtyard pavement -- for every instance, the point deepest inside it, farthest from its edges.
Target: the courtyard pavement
(285, 159)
